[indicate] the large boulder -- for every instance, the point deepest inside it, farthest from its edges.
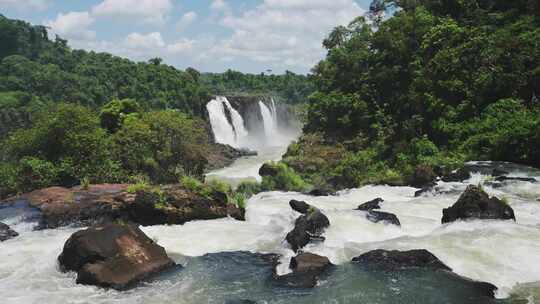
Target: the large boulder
(371, 205)
(458, 175)
(268, 169)
(306, 270)
(307, 228)
(423, 176)
(393, 261)
(474, 203)
(6, 232)
(299, 206)
(396, 260)
(385, 217)
(113, 256)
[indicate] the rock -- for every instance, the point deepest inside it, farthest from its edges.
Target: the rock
(373, 204)
(474, 203)
(423, 176)
(268, 170)
(306, 270)
(391, 261)
(379, 216)
(220, 155)
(519, 179)
(307, 228)
(499, 172)
(320, 192)
(113, 256)
(240, 301)
(428, 188)
(396, 260)
(457, 175)
(299, 206)
(6, 232)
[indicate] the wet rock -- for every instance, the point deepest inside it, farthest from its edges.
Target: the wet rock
(220, 155)
(391, 261)
(307, 228)
(423, 176)
(113, 256)
(300, 206)
(373, 204)
(240, 301)
(396, 260)
(379, 216)
(6, 232)
(474, 203)
(426, 189)
(320, 192)
(458, 175)
(518, 179)
(306, 270)
(268, 170)
(499, 172)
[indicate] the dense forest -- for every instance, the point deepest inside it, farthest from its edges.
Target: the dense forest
(417, 87)
(71, 116)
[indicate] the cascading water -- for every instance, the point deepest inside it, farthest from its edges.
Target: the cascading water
(269, 116)
(224, 132)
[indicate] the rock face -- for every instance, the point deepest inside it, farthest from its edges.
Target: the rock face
(221, 156)
(457, 176)
(396, 260)
(423, 176)
(391, 261)
(371, 205)
(268, 170)
(379, 216)
(308, 227)
(113, 256)
(299, 206)
(102, 204)
(306, 270)
(6, 232)
(474, 203)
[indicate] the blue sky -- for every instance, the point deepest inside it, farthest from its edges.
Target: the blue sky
(209, 35)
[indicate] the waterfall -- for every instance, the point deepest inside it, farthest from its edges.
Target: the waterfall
(269, 116)
(226, 132)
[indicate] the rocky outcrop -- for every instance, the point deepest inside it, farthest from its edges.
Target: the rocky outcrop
(474, 203)
(306, 270)
(423, 176)
(385, 217)
(371, 205)
(321, 192)
(268, 169)
(6, 232)
(308, 227)
(396, 260)
(392, 261)
(299, 206)
(458, 175)
(221, 156)
(101, 204)
(113, 256)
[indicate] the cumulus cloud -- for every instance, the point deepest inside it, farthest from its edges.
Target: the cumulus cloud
(25, 4)
(186, 20)
(149, 11)
(72, 25)
(285, 32)
(219, 5)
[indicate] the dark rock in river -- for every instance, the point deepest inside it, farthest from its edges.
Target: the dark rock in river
(426, 189)
(306, 270)
(379, 216)
(299, 206)
(423, 176)
(113, 256)
(268, 170)
(474, 203)
(320, 192)
(518, 179)
(307, 228)
(373, 204)
(391, 261)
(457, 175)
(396, 260)
(499, 172)
(6, 232)
(221, 156)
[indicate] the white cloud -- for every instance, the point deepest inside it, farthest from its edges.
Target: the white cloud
(186, 20)
(149, 11)
(73, 25)
(284, 32)
(144, 41)
(25, 4)
(219, 5)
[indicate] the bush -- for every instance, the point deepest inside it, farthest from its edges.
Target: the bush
(249, 188)
(34, 173)
(286, 180)
(239, 199)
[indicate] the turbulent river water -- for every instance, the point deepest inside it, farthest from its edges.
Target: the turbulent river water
(219, 267)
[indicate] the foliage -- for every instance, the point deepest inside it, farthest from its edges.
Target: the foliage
(249, 188)
(286, 180)
(112, 115)
(239, 200)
